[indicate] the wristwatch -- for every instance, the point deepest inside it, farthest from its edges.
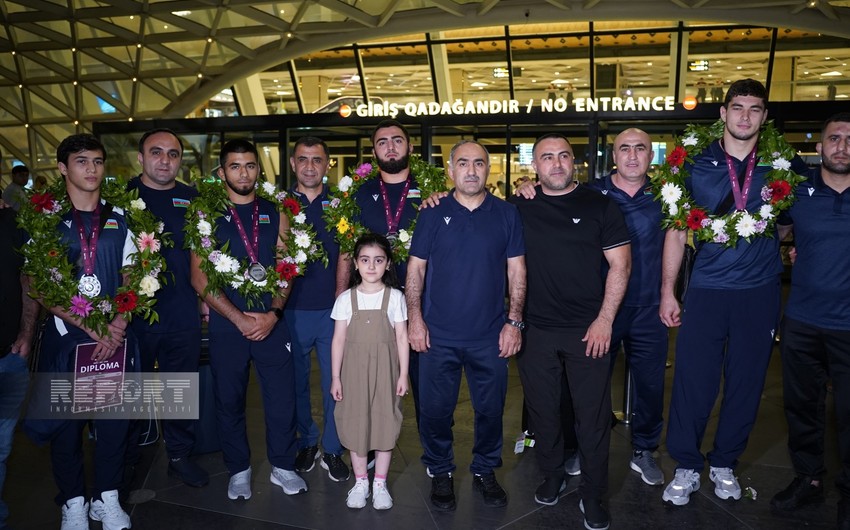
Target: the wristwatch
(278, 312)
(515, 323)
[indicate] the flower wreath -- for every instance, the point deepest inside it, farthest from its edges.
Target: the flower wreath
(224, 270)
(53, 276)
(679, 209)
(339, 218)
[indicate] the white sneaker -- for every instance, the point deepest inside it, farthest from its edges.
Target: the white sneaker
(679, 490)
(289, 480)
(358, 494)
(108, 511)
(240, 485)
(381, 499)
(75, 514)
(725, 483)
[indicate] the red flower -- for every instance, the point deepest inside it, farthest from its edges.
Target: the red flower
(677, 156)
(42, 202)
(286, 270)
(292, 205)
(779, 190)
(126, 301)
(695, 219)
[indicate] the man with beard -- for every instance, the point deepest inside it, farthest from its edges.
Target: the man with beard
(731, 310)
(241, 336)
(175, 340)
(388, 204)
(816, 323)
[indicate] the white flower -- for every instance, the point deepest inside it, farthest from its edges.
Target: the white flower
(718, 226)
(345, 183)
(766, 211)
(260, 283)
(204, 228)
(781, 163)
(671, 193)
(269, 188)
(160, 227)
(148, 286)
(746, 225)
(300, 218)
(226, 263)
(403, 236)
(236, 282)
(691, 139)
(138, 204)
(302, 240)
(300, 257)
(673, 209)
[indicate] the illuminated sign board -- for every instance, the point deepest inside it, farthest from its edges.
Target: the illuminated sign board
(698, 66)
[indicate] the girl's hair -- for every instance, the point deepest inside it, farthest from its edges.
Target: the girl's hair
(374, 240)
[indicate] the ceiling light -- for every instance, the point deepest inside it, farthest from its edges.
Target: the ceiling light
(288, 35)
(131, 118)
(76, 122)
(200, 75)
(165, 26)
(832, 74)
(181, 13)
(138, 45)
(209, 40)
(134, 79)
(73, 50)
(478, 84)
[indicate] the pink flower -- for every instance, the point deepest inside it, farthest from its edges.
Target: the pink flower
(205, 242)
(80, 306)
(147, 241)
(364, 170)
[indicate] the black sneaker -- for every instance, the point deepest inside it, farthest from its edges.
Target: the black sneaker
(550, 490)
(443, 492)
(493, 494)
(189, 472)
(595, 515)
(305, 460)
(337, 470)
(801, 491)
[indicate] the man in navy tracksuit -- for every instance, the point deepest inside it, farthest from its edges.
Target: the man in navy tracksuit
(730, 313)
(175, 340)
(308, 314)
(637, 326)
(242, 336)
(816, 323)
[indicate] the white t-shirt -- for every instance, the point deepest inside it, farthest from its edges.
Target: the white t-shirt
(396, 309)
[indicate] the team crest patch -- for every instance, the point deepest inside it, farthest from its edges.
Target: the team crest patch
(264, 219)
(180, 203)
(112, 223)
(375, 197)
(414, 194)
(326, 205)
(811, 191)
(447, 219)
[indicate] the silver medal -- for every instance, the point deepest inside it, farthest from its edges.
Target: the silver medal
(257, 272)
(89, 285)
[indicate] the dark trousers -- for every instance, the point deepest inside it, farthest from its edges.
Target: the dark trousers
(811, 357)
(546, 357)
(644, 339)
(724, 332)
(439, 377)
(177, 351)
(66, 455)
(231, 356)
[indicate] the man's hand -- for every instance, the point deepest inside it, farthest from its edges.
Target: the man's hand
(433, 200)
(22, 347)
(510, 340)
(107, 344)
(417, 334)
(669, 311)
(261, 327)
(598, 338)
(527, 189)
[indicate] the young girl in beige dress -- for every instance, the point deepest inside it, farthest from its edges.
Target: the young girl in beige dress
(369, 360)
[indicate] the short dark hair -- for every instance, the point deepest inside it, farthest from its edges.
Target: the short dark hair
(465, 142)
(557, 136)
(384, 124)
(310, 141)
(150, 133)
(77, 143)
(746, 87)
(20, 169)
(237, 145)
(841, 117)
(390, 278)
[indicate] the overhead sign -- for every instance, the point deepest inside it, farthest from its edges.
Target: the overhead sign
(698, 66)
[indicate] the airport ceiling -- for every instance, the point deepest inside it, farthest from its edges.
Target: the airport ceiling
(62, 62)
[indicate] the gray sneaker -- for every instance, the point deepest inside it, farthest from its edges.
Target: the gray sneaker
(644, 463)
(725, 483)
(240, 485)
(573, 466)
(290, 481)
(678, 491)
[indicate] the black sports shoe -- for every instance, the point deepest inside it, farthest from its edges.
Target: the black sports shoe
(550, 490)
(801, 491)
(189, 472)
(443, 492)
(493, 493)
(595, 515)
(337, 470)
(305, 460)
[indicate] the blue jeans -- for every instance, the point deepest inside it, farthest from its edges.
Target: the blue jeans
(14, 378)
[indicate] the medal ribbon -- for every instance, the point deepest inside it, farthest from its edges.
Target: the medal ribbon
(392, 221)
(88, 242)
(740, 190)
(252, 249)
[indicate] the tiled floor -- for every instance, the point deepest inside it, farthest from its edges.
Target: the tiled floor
(165, 503)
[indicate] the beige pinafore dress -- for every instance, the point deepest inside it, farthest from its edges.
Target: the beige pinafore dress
(369, 415)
